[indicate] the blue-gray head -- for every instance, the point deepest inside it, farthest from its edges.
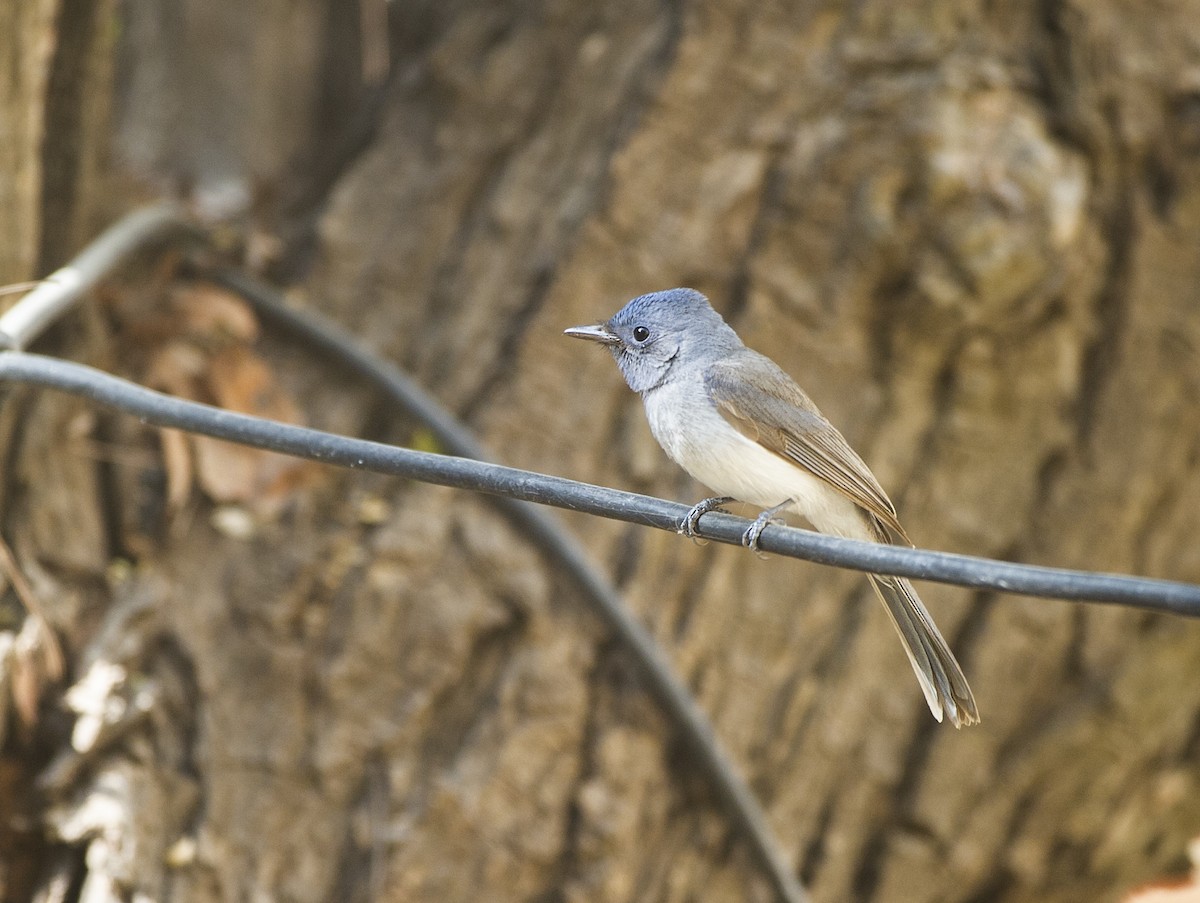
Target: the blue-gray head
(654, 333)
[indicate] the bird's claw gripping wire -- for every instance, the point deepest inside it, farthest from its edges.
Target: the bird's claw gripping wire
(751, 536)
(690, 525)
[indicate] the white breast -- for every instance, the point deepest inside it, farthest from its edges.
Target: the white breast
(703, 443)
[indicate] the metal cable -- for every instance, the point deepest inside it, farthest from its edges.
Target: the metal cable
(543, 489)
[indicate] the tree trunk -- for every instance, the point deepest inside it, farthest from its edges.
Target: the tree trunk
(56, 59)
(968, 230)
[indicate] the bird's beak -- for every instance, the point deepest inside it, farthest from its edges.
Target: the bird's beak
(598, 333)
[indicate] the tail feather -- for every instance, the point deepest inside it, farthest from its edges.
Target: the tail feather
(941, 677)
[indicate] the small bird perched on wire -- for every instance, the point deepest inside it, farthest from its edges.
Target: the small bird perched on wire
(737, 423)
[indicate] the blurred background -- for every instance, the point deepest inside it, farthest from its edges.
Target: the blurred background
(969, 230)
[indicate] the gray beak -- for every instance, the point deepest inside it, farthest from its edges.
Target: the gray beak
(598, 333)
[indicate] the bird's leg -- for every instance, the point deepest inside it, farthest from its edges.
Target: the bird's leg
(691, 523)
(750, 537)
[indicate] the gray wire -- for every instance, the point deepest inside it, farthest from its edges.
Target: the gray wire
(38, 309)
(543, 489)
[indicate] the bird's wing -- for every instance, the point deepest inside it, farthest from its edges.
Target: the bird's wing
(764, 404)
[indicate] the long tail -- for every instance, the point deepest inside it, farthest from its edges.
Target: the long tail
(941, 678)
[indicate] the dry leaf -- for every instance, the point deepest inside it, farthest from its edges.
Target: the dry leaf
(225, 471)
(26, 680)
(177, 464)
(176, 368)
(210, 312)
(208, 361)
(52, 664)
(241, 381)
(231, 473)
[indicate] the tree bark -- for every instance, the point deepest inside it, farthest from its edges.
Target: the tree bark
(967, 230)
(56, 59)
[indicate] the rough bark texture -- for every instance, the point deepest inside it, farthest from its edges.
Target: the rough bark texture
(969, 230)
(55, 88)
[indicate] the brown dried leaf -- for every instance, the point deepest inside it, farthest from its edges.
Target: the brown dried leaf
(177, 463)
(53, 665)
(290, 479)
(176, 368)
(225, 471)
(210, 312)
(26, 685)
(234, 473)
(239, 380)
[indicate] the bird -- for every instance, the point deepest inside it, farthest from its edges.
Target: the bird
(738, 424)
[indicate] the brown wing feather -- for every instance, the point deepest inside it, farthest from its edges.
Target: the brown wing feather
(773, 411)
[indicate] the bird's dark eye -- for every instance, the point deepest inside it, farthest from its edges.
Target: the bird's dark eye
(640, 333)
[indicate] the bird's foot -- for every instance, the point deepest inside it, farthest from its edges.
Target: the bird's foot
(751, 536)
(690, 525)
